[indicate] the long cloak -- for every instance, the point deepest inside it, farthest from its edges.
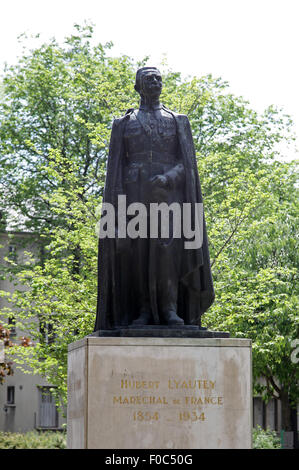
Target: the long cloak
(196, 293)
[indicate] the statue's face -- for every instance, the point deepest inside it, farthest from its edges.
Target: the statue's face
(151, 83)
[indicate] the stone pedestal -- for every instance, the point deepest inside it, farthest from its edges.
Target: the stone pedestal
(159, 393)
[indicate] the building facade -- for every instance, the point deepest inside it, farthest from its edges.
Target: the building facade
(26, 400)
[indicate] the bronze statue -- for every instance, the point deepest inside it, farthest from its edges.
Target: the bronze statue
(152, 281)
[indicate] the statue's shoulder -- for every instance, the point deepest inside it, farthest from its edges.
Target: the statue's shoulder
(182, 121)
(124, 118)
(177, 116)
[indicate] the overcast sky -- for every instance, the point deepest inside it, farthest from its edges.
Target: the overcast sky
(253, 44)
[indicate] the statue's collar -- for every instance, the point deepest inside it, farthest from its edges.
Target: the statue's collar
(146, 107)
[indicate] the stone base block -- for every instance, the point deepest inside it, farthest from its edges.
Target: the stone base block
(160, 331)
(159, 393)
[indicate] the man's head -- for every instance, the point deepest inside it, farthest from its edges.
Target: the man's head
(148, 81)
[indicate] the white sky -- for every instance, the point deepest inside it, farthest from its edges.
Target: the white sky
(253, 44)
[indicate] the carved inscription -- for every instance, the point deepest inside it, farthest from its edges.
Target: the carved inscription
(175, 399)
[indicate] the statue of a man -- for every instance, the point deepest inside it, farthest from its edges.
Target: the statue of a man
(152, 281)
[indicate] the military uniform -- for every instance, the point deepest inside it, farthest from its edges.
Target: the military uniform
(151, 148)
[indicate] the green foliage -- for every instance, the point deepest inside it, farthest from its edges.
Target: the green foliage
(256, 282)
(265, 439)
(58, 99)
(56, 113)
(33, 440)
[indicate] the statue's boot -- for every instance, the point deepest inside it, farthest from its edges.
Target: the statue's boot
(172, 318)
(143, 319)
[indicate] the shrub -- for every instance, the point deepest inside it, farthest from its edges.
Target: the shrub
(33, 440)
(265, 439)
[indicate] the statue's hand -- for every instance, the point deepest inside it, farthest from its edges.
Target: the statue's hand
(159, 188)
(160, 181)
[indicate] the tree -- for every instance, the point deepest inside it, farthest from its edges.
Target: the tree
(58, 105)
(6, 368)
(56, 113)
(58, 98)
(258, 294)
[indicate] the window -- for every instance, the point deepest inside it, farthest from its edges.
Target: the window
(10, 395)
(12, 326)
(46, 330)
(48, 414)
(12, 253)
(265, 415)
(258, 412)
